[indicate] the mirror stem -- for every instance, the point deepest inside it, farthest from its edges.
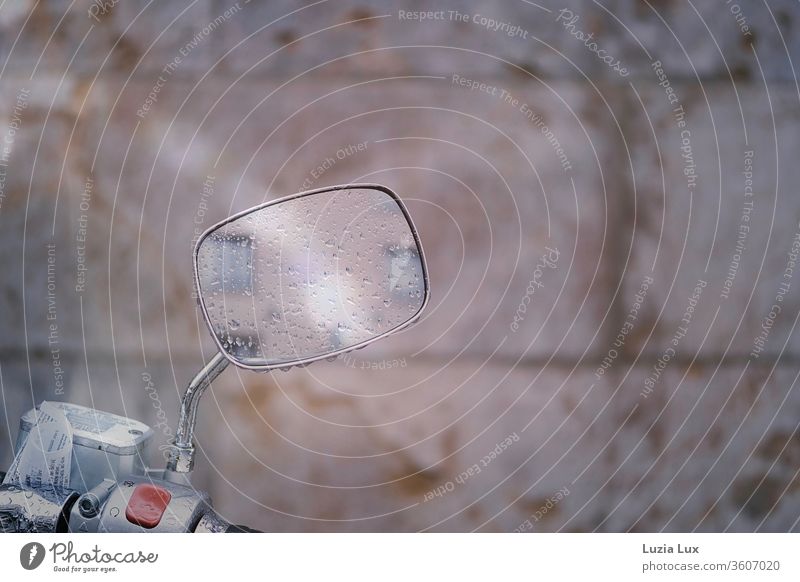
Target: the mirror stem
(181, 458)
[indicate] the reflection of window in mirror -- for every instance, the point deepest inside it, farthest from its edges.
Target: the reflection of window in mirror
(401, 274)
(235, 255)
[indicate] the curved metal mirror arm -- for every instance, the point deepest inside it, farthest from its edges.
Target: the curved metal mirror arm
(181, 458)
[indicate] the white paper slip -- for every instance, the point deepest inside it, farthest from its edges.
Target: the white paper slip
(45, 459)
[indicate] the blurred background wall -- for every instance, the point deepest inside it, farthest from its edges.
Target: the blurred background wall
(606, 192)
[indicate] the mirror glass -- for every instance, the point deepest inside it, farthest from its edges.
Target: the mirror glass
(307, 276)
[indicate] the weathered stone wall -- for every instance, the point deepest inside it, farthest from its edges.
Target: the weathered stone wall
(615, 399)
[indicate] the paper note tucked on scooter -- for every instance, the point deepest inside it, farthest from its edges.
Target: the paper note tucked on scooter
(44, 461)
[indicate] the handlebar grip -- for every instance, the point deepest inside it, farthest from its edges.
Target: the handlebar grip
(241, 529)
(212, 522)
(26, 511)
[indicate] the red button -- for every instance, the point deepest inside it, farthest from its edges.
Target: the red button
(147, 505)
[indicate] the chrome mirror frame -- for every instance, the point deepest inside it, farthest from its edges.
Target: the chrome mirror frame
(180, 463)
(330, 355)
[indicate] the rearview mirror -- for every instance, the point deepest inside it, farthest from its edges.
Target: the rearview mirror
(310, 276)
